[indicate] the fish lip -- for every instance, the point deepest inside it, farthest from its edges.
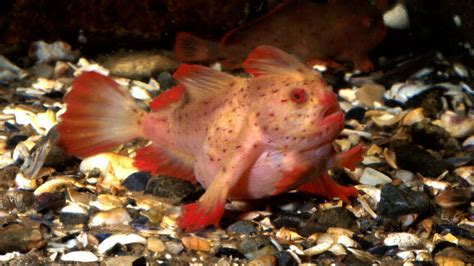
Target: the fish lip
(331, 118)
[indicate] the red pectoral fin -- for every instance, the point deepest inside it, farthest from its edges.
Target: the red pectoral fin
(198, 215)
(159, 160)
(350, 158)
(289, 179)
(325, 186)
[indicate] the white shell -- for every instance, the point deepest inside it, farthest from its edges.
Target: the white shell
(318, 249)
(413, 116)
(403, 91)
(404, 175)
(397, 17)
(467, 173)
(139, 93)
(458, 126)
(73, 208)
(373, 177)
(117, 216)
(402, 240)
(122, 165)
(80, 256)
(123, 239)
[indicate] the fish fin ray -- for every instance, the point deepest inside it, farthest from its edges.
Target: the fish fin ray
(190, 48)
(350, 158)
(94, 98)
(199, 215)
(202, 82)
(167, 98)
(289, 179)
(268, 60)
(159, 160)
(325, 186)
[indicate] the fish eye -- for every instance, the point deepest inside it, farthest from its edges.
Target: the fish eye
(298, 95)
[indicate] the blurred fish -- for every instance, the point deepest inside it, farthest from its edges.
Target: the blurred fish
(343, 31)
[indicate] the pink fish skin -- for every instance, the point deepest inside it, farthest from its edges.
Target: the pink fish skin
(240, 138)
(339, 31)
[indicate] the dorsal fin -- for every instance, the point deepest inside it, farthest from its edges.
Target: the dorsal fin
(268, 60)
(202, 82)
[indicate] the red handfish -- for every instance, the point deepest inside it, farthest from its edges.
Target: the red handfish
(240, 138)
(315, 32)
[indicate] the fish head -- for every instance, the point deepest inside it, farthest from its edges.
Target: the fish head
(298, 113)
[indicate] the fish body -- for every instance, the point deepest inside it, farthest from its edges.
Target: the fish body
(343, 31)
(240, 138)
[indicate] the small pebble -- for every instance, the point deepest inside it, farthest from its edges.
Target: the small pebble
(373, 177)
(155, 245)
(401, 200)
(174, 247)
(136, 181)
(402, 240)
(117, 216)
(243, 227)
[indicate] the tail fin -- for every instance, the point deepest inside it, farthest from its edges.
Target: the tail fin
(190, 48)
(100, 115)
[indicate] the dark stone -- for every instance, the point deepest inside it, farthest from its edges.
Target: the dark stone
(325, 256)
(285, 259)
(352, 260)
(432, 137)
(401, 200)
(22, 200)
(11, 127)
(366, 225)
(71, 218)
(254, 247)
(141, 261)
(287, 220)
(228, 252)
(169, 187)
(136, 181)
(166, 81)
(17, 237)
(336, 217)
(253, 243)
(453, 229)
(50, 201)
(357, 113)
(14, 140)
(417, 160)
(243, 227)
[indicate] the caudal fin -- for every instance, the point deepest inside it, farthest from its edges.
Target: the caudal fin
(100, 114)
(190, 48)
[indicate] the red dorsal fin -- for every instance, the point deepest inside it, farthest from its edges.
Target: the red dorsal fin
(268, 60)
(159, 160)
(167, 98)
(202, 82)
